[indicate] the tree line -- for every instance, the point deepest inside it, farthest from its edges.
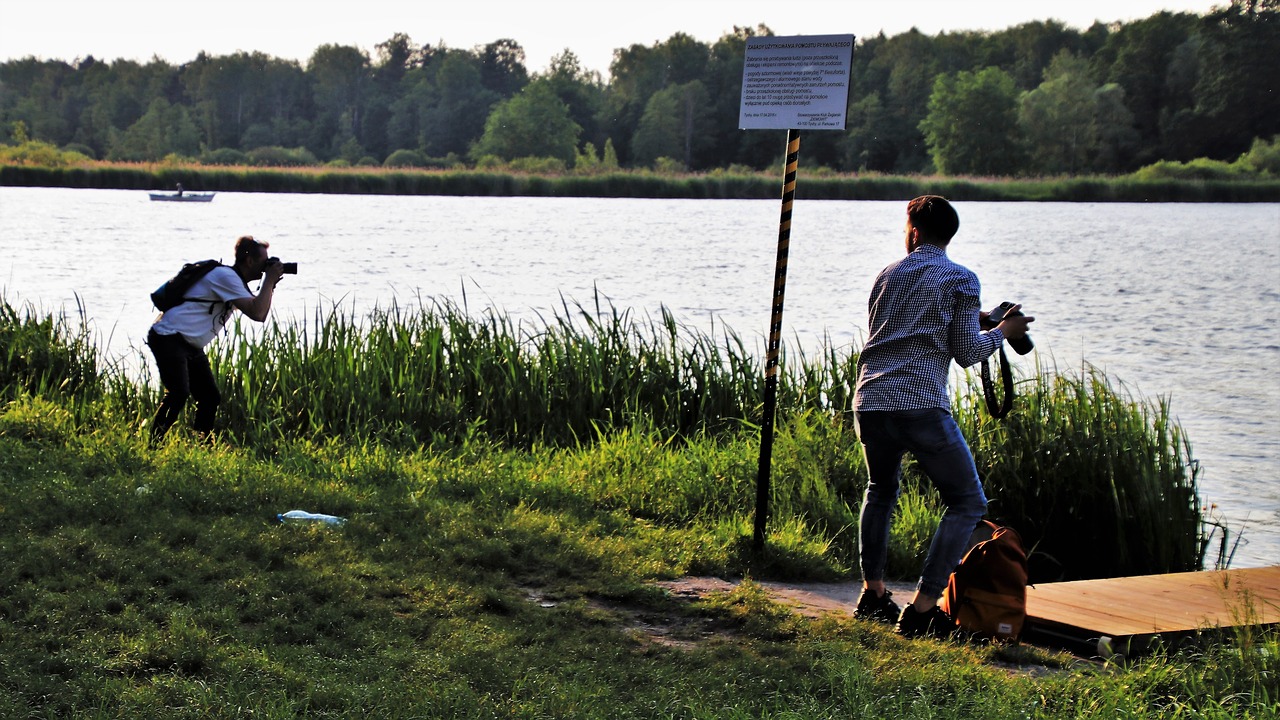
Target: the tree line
(1039, 98)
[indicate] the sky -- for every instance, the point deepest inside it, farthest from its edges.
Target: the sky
(591, 29)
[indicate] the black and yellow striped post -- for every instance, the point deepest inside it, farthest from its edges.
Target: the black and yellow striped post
(775, 339)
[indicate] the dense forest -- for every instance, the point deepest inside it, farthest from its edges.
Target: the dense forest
(1037, 99)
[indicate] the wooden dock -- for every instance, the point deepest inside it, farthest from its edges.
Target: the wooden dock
(1114, 616)
(1094, 616)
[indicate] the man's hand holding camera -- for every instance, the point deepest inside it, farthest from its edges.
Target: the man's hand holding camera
(276, 269)
(1009, 320)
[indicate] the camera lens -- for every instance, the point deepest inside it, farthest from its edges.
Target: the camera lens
(290, 268)
(1022, 345)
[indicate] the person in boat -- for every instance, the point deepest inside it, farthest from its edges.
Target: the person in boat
(924, 312)
(179, 189)
(179, 336)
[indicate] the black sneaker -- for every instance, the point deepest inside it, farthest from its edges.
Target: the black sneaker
(934, 623)
(878, 608)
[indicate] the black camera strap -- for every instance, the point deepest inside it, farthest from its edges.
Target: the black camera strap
(998, 409)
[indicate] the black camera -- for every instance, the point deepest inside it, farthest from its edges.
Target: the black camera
(1022, 345)
(289, 268)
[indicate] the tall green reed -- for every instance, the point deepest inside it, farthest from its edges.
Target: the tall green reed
(435, 373)
(45, 354)
(55, 378)
(631, 183)
(1096, 482)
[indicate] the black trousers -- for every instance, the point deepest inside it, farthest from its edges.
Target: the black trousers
(185, 374)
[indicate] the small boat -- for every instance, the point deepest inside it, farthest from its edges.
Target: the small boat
(184, 197)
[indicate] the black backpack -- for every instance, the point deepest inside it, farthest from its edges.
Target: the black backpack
(172, 293)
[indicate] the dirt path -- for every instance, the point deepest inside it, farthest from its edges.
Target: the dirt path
(808, 599)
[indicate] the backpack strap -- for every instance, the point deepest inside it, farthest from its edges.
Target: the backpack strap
(214, 301)
(998, 409)
(203, 300)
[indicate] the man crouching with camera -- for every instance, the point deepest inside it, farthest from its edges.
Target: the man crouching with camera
(178, 337)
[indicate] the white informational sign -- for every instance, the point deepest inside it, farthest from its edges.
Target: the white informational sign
(798, 82)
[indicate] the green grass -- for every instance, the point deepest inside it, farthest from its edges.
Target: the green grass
(477, 582)
(495, 568)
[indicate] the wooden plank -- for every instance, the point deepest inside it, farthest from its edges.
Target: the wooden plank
(1151, 604)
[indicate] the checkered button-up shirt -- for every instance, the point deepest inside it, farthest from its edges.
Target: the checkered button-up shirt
(923, 314)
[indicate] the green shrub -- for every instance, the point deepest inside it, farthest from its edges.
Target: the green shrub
(36, 153)
(224, 156)
(822, 171)
(1263, 158)
(175, 160)
(80, 149)
(538, 165)
(449, 162)
(739, 169)
(1200, 169)
(274, 156)
(668, 166)
(588, 162)
(405, 158)
(1261, 162)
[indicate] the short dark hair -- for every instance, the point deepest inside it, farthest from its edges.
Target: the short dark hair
(246, 245)
(934, 217)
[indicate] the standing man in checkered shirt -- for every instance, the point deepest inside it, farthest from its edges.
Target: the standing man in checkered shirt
(924, 313)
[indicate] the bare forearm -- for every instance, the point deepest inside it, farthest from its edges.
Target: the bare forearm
(259, 306)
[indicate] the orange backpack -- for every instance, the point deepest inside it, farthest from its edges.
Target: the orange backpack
(987, 593)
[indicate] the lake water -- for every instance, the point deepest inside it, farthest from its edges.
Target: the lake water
(1180, 301)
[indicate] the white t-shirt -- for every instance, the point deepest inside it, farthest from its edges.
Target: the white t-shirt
(199, 322)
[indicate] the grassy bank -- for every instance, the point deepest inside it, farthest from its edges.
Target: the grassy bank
(472, 583)
(643, 184)
(477, 582)
(496, 564)
(1076, 453)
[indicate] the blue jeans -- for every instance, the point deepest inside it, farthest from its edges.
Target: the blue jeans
(934, 439)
